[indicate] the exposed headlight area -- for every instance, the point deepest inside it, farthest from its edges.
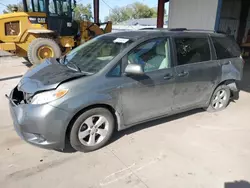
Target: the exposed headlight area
(19, 97)
(48, 96)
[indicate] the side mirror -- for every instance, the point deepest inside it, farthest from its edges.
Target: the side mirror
(134, 69)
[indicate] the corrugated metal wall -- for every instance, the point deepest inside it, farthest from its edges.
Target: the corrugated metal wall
(230, 16)
(192, 14)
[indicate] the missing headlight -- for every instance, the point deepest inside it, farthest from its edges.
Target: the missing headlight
(17, 96)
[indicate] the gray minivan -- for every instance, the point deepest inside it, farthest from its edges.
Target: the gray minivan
(121, 79)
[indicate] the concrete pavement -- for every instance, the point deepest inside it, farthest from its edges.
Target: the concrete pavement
(193, 149)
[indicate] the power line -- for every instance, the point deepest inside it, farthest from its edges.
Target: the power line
(107, 5)
(3, 4)
(114, 11)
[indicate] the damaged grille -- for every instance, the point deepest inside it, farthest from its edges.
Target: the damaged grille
(20, 97)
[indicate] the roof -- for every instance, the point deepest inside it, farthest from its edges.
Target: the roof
(132, 35)
(135, 35)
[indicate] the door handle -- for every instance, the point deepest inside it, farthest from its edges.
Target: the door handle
(183, 73)
(168, 76)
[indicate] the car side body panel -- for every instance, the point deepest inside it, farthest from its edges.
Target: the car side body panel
(197, 86)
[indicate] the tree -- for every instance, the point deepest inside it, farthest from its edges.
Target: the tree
(9, 7)
(140, 10)
(133, 11)
(83, 12)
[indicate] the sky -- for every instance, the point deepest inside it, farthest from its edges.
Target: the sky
(104, 8)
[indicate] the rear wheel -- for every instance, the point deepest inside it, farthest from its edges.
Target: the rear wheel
(220, 99)
(43, 48)
(92, 130)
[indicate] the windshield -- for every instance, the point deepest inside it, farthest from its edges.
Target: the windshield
(95, 54)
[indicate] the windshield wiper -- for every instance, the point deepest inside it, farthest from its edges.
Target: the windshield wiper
(66, 62)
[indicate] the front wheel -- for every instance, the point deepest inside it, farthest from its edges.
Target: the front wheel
(220, 99)
(92, 130)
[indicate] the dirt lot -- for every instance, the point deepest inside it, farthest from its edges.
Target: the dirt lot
(194, 149)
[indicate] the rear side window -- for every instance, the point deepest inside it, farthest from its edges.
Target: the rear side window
(192, 50)
(225, 47)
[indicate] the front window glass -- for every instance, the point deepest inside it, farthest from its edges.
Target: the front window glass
(95, 54)
(152, 55)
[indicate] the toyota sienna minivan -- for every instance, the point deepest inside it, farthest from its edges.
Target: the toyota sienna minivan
(118, 80)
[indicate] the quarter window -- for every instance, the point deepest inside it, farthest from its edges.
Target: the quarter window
(192, 50)
(225, 47)
(152, 55)
(116, 71)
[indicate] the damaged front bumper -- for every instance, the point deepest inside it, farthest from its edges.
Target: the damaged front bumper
(40, 125)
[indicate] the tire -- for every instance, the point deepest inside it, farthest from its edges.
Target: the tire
(81, 131)
(37, 44)
(222, 99)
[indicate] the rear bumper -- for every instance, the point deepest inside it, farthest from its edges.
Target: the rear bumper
(40, 125)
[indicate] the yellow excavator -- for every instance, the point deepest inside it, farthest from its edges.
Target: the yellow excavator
(46, 28)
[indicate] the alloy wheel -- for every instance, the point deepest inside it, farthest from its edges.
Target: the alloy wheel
(220, 99)
(93, 130)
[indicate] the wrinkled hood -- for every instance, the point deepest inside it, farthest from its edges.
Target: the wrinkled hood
(47, 75)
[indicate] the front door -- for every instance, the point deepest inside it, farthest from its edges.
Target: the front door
(150, 95)
(196, 72)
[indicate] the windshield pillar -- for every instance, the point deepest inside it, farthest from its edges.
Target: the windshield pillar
(33, 5)
(25, 6)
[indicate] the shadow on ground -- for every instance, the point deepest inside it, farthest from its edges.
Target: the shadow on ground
(117, 135)
(27, 63)
(237, 184)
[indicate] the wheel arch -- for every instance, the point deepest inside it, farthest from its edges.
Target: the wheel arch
(226, 82)
(113, 111)
(230, 83)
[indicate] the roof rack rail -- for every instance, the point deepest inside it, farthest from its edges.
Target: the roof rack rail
(177, 29)
(169, 29)
(202, 30)
(147, 28)
(222, 32)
